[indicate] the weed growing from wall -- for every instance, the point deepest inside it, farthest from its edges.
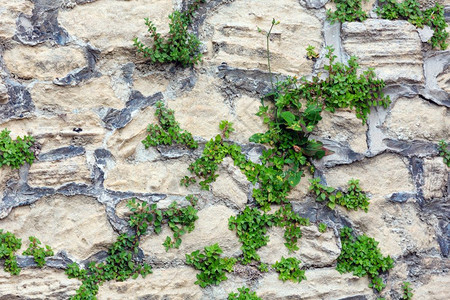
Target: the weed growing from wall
(444, 152)
(179, 45)
(347, 11)
(15, 153)
(289, 269)
(244, 294)
(39, 253)
(9, 244)
(410, 10)
(407, 291)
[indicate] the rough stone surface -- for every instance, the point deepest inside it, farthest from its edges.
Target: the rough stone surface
(37, 283)
(210, 228)
(431, 122)
(118, 24)
(3, 92)
(9, 11)
(372, 40)
(236, 40)
(444, 80)
(57, 173)
(245, 121)
(436, 175)
(433, 288)
(59, 222)
(324, 283)
(171, 283)
(43, 62)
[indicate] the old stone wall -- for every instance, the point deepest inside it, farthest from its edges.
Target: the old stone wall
(71, 77)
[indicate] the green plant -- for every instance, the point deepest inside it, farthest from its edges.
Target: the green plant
(289, 269)
(38, 252)
(169, 130)
(244, 294)
(226, 128)
(410, 10)
(347, 11)
(263, 268)
(444, 152)
(407, 291)
(15, 153)
(311, 52)
(181, 221)
(287, 218)
(354, 198)
(179, 46)
(9, 244)
(362, 257)
(212, 267)
(322, 227)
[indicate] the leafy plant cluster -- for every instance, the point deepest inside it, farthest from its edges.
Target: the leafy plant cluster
(347, 11)
(311, 52)
(211, 265)
(354, 198)
(169, 130)
(123, 261)
(14, 153)
(444, 152)
(38, 252)
(410, 10)
(362, 256)
(289, 269)
(179, 45)
(244, 294)
(407, 291)
(9, 244)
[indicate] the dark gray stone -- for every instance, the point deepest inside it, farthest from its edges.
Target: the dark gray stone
(401, 197)
(413, 148)
(19, 105)
(62, 153)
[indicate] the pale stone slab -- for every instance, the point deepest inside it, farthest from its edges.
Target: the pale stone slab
(234, 37)
(393, 48)
(245, 121)
(9, 11)
(43, 62)
(436, 175)
(44, 283)
(431, 122)
(77, 224)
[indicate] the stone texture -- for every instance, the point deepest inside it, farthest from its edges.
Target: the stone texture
(430, 122)
(171, 283)
(148, 177)
(9, 11)
(7, 174)
(380, 176)
(324, 283)
(43, 62)
(299, 192)
(150, 84)
(372, 40)
(210, 228)
(234, 37)
(37, 284)
(75, 224)
(200, 110)
(4, 97)
(111, 25)
(57, 173)
(93, 94)
(444, 80)
(343, 127)
(245, 121)
(436, 175)
(433, 289)
(316, 249)
(60, 130)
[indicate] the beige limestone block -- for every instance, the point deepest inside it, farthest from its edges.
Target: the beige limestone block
(6, 174)
(393, 48)
(127, 141)
(76, 224)
(200, 110)
(435, 288)
(58, 131)
(150, 84)
(430, 122)
(381, 175)
(4, 97)
(235, 39)
(245, 122)
(110, 25)
(325, 283)
(171, 283)
(343, 127)
(148, 177)
(316, 249)
(444, 80)
(43, 62)
(92, 94)
(57, 173)
(9, 11)
(436, 175)
(299, 192)
(210, 228)
(35, 283)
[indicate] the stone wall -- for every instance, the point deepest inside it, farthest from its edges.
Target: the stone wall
(70, 77)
